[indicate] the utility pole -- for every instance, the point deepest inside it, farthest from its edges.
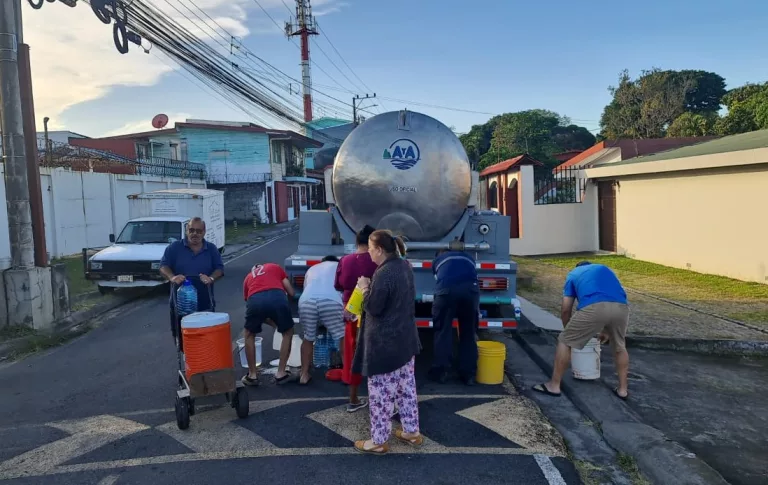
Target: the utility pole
(304, 27)
(27, 290)
(30, 143)
(16, 176)
(356, 106)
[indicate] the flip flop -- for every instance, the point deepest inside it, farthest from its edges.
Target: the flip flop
(305, 383)
(543, 389)
(288, 377)
(250, 382)
(616, 391)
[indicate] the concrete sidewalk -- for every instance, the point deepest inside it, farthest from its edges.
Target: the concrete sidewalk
(660, 459)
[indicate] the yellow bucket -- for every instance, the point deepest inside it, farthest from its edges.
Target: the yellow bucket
(490, 362)
(355, 303)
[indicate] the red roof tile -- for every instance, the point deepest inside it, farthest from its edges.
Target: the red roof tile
(634, 148)
(504, 166)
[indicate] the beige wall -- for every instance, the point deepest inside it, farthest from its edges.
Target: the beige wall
(554, 228)
(707, 221)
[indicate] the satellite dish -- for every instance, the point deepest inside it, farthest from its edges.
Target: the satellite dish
(160, 121)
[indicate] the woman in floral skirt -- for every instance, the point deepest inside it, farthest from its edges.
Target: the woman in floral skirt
(388, 343)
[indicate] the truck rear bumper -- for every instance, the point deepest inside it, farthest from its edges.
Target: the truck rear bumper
(495, 323)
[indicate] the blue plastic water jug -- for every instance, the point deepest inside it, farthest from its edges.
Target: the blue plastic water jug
(186, 299)
(321, 354)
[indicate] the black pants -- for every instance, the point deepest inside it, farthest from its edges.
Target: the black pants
(461, 302)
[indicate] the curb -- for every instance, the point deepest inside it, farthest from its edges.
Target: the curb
(78, 318)
(659, 458)
(743, 348)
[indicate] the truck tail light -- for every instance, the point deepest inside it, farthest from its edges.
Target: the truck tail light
(493, 283)
(298, 281)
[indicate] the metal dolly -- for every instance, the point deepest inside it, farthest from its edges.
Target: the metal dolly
(204, 384)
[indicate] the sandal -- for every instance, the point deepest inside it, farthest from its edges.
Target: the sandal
(248, 381)
(542, 388)
(417, 441)
(305, 383)
(288, 377)
(375, 450)
(616, 391)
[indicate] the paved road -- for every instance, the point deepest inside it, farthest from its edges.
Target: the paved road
(100, 411)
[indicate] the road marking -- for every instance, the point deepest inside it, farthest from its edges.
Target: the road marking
(86, 435)
(267, 242)
(217, 435)
(109, 480)
(550, 471)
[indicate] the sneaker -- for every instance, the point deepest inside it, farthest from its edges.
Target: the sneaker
(351, 408)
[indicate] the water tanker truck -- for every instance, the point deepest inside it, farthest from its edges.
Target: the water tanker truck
(409, 173)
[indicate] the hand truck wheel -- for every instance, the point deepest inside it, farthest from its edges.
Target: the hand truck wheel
(241, 402)
(182, 412)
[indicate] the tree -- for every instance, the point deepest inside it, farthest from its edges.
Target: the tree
(572, 137)
(537, 132)
(747, 110)
(693, 124)
(647, 106)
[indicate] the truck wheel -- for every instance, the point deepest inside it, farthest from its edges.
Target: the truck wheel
(106, 290)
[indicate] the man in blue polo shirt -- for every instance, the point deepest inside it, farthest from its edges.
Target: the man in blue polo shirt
(602, 309)
(196, 259)
(457, 295)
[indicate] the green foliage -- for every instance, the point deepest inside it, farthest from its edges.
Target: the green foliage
(646, 107)
(693, 124)
(539, 133)
(747, 110)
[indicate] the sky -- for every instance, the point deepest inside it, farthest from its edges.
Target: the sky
(460, 62)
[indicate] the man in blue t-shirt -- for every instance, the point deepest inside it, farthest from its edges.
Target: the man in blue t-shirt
(602, 309)
(456, 296)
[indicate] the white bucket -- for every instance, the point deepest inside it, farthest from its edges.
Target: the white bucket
(294, 358)
(241, 351)
(585, 363)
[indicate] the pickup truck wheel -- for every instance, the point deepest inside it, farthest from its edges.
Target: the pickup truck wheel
(106, 290)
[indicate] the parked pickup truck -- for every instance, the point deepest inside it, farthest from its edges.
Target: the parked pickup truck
(157, 219)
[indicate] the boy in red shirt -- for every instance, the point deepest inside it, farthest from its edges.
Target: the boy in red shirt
(266, 289)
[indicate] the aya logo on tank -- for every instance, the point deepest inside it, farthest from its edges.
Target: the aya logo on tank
(402, 154)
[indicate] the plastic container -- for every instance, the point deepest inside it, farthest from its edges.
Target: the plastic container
(241, 351)
(294, 358)
(355, 303)
(207, 344)
(321, 356)
(585, 363)
(186, 299)
(490, 362)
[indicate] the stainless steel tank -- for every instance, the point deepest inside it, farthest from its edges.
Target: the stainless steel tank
(402, 171)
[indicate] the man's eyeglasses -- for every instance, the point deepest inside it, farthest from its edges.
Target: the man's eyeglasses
(193, 230)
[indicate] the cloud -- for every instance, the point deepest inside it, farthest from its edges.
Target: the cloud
(139, 126)
(74, 59)
(327, 8)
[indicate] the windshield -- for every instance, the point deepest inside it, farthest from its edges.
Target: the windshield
(148, 232)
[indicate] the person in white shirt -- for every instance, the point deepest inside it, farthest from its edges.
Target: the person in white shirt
(320, 303)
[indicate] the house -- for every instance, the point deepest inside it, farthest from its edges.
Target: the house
(698, 207)
(501, 189)
(610, 151)
(260, 169)
(57, 137)
(565, 156)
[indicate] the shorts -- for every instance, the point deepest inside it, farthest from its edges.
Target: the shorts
(609, 317)
(270, 304)
(316, 311)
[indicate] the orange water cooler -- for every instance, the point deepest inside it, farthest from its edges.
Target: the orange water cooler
(207, 342)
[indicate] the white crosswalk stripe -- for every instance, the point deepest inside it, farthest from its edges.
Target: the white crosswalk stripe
(216, 434)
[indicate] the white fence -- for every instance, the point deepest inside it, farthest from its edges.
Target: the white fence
(83, 208)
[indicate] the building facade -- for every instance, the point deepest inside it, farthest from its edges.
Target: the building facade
(261, 170)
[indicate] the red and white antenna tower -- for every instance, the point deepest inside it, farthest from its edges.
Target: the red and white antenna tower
(304, 26)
